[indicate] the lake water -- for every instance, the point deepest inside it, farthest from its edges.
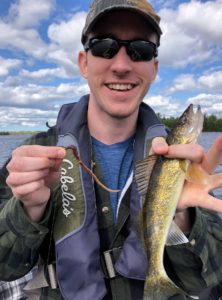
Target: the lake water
(9, 142)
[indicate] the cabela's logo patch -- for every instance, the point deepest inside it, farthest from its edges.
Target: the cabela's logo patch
(66, 181)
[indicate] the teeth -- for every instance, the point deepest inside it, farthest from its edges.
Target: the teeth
(120, 87)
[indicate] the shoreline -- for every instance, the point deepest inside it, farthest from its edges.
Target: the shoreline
(18, 132)
(2, 133)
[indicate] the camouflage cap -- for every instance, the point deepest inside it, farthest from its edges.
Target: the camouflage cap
(100, 7)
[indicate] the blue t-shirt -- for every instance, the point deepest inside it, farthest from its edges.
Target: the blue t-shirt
(116, 163)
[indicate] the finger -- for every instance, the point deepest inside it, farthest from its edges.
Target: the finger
(16, 179)
(29, 164)
(215, 182)
(40, 151)
(211, 203)
(37, 197)
(214, 156)
(22, 191)
(159, 146)
(52, 179)
(192, 152)
(57, 165)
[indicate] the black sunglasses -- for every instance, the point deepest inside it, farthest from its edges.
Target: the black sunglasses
(107, 47)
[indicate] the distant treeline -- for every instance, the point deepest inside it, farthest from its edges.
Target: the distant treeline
(211, 123)
(17, 132)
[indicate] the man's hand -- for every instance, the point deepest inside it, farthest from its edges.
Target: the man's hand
(196, 191)
(33, 171)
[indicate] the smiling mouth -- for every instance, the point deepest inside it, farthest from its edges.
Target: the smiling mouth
(120, 86)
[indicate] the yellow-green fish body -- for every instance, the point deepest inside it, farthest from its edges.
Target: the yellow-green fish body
(158, 211)
(164, 189)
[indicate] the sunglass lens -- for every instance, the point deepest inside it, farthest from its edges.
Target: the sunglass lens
(140, 51)
(106, 48)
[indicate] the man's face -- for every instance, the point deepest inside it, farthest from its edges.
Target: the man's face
(118, 85)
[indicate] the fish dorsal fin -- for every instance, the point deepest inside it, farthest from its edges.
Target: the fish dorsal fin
(143, 172)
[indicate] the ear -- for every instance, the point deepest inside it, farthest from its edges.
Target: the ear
(155, 68)
(82, 63)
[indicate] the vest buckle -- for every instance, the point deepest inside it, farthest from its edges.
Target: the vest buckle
(108, 260)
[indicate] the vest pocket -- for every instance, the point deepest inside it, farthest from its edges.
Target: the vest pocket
(132, 262)
(78, 265)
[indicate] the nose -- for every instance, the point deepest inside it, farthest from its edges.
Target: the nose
(121, 62)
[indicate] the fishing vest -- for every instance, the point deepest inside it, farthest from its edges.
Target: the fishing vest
(77, 241)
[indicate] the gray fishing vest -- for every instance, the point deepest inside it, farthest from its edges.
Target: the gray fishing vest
(78, 266)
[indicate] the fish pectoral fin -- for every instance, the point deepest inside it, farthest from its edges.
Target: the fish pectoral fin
(196, 174)
(176, 236)
(143, 172)
(184, 163)
(194, 297)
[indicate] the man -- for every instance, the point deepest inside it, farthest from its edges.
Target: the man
(77, 227)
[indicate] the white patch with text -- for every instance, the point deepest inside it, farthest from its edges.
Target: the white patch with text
(65, 181)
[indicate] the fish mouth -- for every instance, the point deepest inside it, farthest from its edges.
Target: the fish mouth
(188, 127)
(196, 123)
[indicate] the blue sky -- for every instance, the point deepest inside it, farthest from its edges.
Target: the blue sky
(40, 39)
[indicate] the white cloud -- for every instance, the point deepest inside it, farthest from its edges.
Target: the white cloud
(27, 41)
(27, 118)
(162, 3)
(18, 29)
(209, 82)
(212, 81)
(6, 65)
(183, 82)
(18, 32)
(67, 34)
(41, 97)
(65, 37)
(192, 33)
(63, 59)
(43, 75)
(166, 106)
(25, 14)
(70, 89)
(202, 18)
(210, 103)
(31, 106)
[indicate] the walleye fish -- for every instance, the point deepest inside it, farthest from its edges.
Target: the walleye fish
(160, 200)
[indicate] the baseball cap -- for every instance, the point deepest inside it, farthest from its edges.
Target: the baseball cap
(99, 7)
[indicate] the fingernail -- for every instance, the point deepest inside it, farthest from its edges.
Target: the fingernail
(61, 153)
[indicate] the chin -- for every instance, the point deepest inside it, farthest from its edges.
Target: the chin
(121, 114)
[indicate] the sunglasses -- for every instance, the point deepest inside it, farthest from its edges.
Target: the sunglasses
(138, 50)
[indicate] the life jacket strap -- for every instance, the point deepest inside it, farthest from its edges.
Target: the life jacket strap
(108, 260)
(52, 276)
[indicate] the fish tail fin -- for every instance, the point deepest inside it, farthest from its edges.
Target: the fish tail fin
(160, 287)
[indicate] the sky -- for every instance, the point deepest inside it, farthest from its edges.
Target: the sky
(40, 40)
